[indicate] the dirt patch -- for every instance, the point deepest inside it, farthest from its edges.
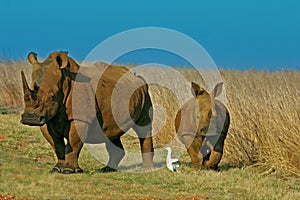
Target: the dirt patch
(6, 197)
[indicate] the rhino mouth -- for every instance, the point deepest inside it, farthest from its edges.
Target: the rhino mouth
(33, 119)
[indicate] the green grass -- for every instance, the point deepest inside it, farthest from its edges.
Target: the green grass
(26, 158)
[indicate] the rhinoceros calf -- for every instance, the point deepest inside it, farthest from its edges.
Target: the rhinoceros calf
(85, 114)
(202, 125)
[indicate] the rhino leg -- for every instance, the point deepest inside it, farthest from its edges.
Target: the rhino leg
(213, 161)
(116, 152)
(56, 140)
(67, 154)
(59, 165)
(216, 151)
(147, 152)
(46, 134)
(193, 145)
(146, 143)
(73, 148)
(143, 129)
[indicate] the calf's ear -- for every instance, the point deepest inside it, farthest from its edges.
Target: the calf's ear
(217, 90)
(197, 90)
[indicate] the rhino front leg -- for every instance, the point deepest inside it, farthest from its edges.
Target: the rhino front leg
(214, 159)
(47, 135)
(216, 151)
(194, 152)
(193, 145)
(74, 145)
(59, 165)
(56, 140)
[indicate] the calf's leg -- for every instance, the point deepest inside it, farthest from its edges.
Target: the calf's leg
(216, 151)
(193, 145)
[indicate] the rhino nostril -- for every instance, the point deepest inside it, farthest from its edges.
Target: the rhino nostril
(42, 119)
(33, 119)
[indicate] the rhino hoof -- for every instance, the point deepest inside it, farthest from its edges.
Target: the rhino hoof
(107, 169)
(216, 168)
(71, 171)
(78, 170)
(67, 171)
(55, 170)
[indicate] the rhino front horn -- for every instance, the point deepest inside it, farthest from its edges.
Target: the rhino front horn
(26, 88)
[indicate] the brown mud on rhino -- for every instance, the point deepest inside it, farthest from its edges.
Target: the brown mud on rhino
(84, 114)
(202, 124)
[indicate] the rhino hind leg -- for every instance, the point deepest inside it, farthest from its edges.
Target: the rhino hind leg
(146, 143)
(116, 152)
(143, 129)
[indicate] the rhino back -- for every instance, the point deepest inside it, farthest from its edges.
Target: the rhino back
(120, 94)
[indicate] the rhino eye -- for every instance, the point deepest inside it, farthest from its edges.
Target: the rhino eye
(201, 92)
(27, 97)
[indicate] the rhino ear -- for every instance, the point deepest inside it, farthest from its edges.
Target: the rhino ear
(62, 59)
(217, 91)
(197, 90)
(65, 62)
(32, 58)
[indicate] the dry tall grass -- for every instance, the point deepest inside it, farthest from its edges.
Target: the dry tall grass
(264, 108)
(10, 84)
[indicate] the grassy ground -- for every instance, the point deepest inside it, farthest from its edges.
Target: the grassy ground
(26, 158)
(261, 159)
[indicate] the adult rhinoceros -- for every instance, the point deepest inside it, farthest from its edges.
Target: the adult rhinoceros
(203, 122)
(51, 103)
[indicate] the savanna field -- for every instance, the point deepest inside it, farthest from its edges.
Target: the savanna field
(261, 158)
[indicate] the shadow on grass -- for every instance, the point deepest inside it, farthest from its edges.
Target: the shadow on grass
(221, 167)
(137, 168)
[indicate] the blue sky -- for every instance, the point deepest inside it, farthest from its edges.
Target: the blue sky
(237, 34)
